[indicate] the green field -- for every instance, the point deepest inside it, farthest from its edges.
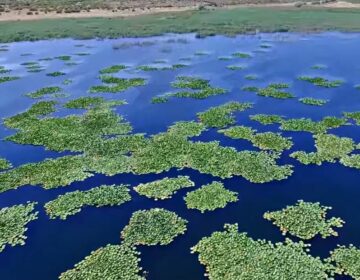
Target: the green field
(208, 22)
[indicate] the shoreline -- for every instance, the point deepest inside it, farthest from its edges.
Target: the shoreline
(220, 21)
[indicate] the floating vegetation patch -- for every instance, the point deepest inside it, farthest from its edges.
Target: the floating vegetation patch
(55, 74)
(266, 119)
(352, 161)
(210, 197)
(186, 129)
(153, 227)
(354, 116)
(50, 173)
(346, 260)
(251, 77)
(114, 84)
(109, 262)
(159, 99)
(232, 255)
(67, 82)
(266, 140)
(274, 90)
(242, 55)
(321, 82)
(84, 102)
(225, 58)
(168, 150)
(319, 67)
(201, 53)
(329, 148)
(73, 132)
(235, 67)
(164, 188)
(4, 164)
(304, 124)
(222, 116)
(5, 79)
(82, 54)
(64, 57)
(305, 220)
(313, 101)
(13, 222)
(113, 69)
(44, 91)
(4, 70)
(196, 88)
(149, 68)
(250, 88)
(72, 202)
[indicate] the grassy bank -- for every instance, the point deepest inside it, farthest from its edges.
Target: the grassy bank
(219, 21)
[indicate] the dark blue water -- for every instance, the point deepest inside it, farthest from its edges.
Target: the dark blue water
(54, 246)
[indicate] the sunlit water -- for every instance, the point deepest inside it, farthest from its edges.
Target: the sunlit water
(54, 246)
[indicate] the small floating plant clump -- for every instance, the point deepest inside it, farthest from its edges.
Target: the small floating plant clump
(63, 57)
(241, 55)
(346, 260)
(313, 101)
(251, 77)
(32, 66)
(186, 129)
(113, 69)
(305, 220)
(232, 255)
(210, 197)
(5, 79)
(4, 70)
(321, 82)
(197, 88)
(274, 90)
(354, 116)
(235, 67)
(164, 188)
(114, 84)
(222, 116)
(44, 91)
(72, 202)
(13, 222)
(329, 148)
(4, 164)
(153, 227)
(266, 140)
(110, 262)
(149, 68)
(319, 67)
(56, 74)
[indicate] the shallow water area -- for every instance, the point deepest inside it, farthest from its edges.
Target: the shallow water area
(54, 246)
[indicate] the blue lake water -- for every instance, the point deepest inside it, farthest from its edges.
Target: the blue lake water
(53, 246)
